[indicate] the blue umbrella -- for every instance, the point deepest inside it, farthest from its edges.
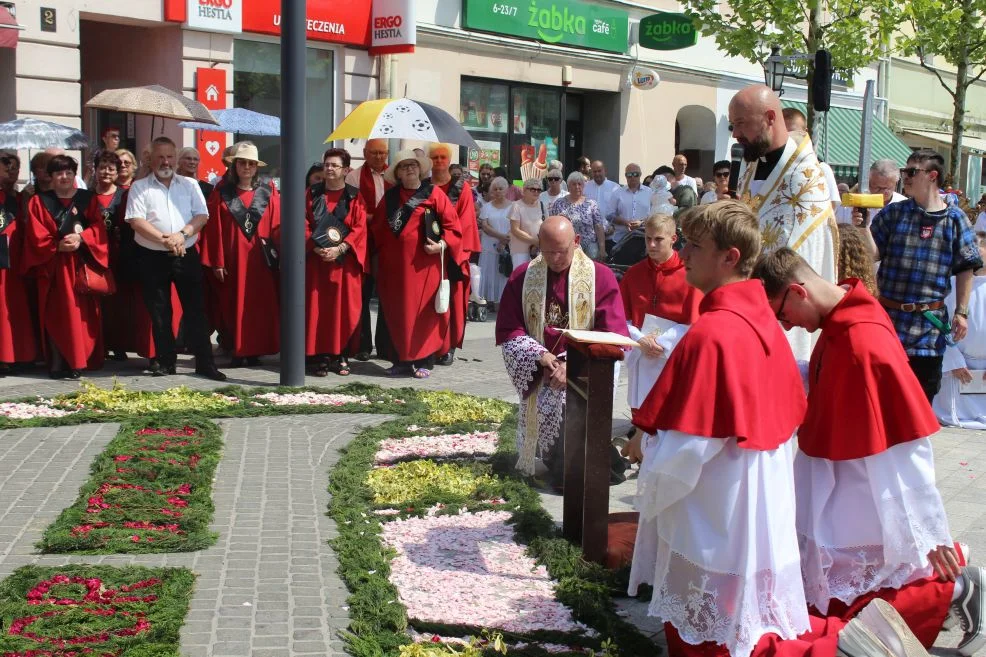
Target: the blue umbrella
(240, 120)
(37, 134)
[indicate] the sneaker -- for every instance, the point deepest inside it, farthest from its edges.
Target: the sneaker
(969, 610)
(879, 631)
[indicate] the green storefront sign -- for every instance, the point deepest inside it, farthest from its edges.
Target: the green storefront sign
(567, 22)
(667, 31)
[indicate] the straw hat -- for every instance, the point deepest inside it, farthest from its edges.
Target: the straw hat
(403, 156)
(244, 151)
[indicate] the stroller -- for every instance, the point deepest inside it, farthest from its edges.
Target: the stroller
(630, 250)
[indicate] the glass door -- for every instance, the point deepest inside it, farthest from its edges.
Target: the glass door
(483, 111)
(535, 131)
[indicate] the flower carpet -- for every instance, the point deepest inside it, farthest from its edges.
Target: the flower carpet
(76, 611)
(150, 491)
(444, 549)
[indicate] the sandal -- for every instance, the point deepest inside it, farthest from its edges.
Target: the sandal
(340, 367)
(421, 373)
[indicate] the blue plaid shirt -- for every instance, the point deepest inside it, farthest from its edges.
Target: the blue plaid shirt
(919, 253)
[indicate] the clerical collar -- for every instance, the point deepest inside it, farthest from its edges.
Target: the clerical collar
(768, 161)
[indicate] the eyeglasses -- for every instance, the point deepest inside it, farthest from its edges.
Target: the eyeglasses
(912, 171)
(721, 174)
(780, 309)
(633, 174)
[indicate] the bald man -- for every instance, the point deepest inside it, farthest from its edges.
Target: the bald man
(784, 185)
(560, 289)
(631, 204)
(600, 189)
(369, 179)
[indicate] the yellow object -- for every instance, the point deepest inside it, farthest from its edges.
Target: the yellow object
(863, 200)
(360, 121)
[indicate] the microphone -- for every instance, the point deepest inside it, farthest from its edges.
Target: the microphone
(735, 157)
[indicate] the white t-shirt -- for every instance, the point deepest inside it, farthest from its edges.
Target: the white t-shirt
(686, 180)
(548, 199)
(530, 218)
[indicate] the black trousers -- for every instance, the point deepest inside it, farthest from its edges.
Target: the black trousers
(928, 371)
(365, 331)
(158, 270)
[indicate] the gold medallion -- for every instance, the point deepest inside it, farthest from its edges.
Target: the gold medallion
(78, 229)
(334, 235)
(436, 227)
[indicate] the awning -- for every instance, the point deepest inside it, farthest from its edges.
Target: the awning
(968, 143)
(844, 127)
(8, 29)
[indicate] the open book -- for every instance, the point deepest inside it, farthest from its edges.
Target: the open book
(599, 337)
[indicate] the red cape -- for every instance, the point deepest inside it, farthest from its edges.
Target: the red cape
(407, 280)
(465, 208)
(863, 397)
(17, 341)
(334, 290)
(732, 374)
(661, 290)
(250, 315)
(71, 320)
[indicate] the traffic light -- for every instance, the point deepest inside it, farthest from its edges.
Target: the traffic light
(822, 83)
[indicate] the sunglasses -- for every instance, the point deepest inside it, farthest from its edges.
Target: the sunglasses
(633, 174)
(721, 174)
(554, 179)
(911, 171)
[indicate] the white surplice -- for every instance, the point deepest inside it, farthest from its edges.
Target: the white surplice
(953, 408)
(717, 540)
(643, 370)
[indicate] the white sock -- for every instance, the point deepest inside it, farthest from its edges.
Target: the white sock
(959, 588)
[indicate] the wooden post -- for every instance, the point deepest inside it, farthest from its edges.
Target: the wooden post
(588, 440)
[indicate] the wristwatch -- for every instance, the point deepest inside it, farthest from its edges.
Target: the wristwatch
(186, 234)
(962, 311)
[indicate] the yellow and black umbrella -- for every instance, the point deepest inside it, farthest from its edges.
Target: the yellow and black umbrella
(401, 118)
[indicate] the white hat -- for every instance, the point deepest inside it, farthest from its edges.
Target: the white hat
(407, 154)
(244, 150)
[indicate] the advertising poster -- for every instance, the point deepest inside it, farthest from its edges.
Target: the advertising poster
(488, 152)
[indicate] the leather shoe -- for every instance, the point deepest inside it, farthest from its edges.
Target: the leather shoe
(363, 356)
(210, 372)
(157, 369)
(447, 359)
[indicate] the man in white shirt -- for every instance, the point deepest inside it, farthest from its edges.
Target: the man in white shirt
(884, 178)
(679, 163)
(631, 204)
(167, 212)
(369, 180)
(600, 190)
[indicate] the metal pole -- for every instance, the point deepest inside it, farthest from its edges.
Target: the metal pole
(866, 140)
(292, 260)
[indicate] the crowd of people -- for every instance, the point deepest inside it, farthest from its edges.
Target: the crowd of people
(768, 525)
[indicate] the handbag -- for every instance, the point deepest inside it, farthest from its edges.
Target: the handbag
(505, 263)
(94, 280)
(444, 289)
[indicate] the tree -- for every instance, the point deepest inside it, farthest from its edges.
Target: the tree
(856, 32)
(955, 31)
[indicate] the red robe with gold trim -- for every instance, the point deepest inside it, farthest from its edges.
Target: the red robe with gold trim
(408, 278)
(17, 341)
(334, 290)
(248, 297)
(70, 320)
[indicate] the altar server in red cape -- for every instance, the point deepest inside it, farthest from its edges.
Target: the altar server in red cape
(17, 338)
(717, 535)
(59, 234)
(459, 193)
(237, 244)
(334, 265)
(659, 304)
(413, 229)
(369, 178)
(870, 517)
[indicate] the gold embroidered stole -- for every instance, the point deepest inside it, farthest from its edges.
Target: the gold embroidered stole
(581, 313)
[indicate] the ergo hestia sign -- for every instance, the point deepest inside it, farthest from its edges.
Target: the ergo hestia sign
(667, 31)
(567, 22)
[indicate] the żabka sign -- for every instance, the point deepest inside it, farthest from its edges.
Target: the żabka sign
(336, 21)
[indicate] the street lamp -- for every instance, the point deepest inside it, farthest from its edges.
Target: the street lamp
(774, 70)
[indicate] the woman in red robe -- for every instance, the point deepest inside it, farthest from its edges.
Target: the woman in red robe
(17, 341)
(60, 234)
(237, 245)
(409, 227)
(336, 257)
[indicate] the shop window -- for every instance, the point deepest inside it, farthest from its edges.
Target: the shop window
(257, 87)
(511, 124)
